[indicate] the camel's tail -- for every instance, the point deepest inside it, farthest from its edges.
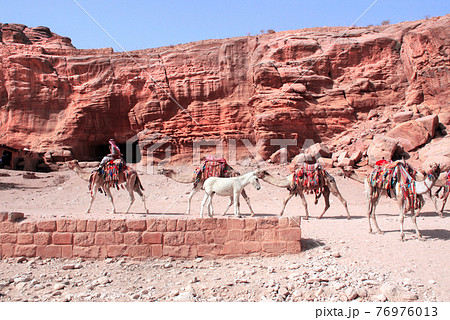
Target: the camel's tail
(436, 194)
(138, 183)
(91, 181)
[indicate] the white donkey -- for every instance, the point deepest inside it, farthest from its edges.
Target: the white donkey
(228, 187)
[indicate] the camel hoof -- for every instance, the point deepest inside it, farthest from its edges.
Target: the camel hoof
(305, 218)
(348, 218)
(319, 217)
(380, 232)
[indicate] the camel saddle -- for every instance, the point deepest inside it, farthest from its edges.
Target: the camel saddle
(309, 177)
(213, 167)
(385, 176)
(112, 170)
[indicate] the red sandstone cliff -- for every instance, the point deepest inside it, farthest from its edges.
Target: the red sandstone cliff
(303, 84)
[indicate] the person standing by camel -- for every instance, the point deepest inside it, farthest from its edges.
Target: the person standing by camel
(114, 154)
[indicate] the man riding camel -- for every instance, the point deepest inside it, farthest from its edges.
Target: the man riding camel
(114, 154)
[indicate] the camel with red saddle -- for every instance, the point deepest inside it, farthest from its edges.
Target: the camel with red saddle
(115, 174)
(396, 181)
(310, 178)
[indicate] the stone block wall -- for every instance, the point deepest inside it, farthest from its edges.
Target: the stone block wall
(150, 237)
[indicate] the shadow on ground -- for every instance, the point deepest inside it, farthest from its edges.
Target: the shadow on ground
(308, 244)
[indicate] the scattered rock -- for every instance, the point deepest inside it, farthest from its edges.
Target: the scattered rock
(21, 260)
(338, 286)
(58, 286)
(336, 254)
(362, 292)
(391, 291)
(22, 279)
(184, 297)
(68, 267)
(381, 298)
(409, 296)
(15, 216)
(351, 294)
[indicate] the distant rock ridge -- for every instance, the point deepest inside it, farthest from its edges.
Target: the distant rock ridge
(14, 33)
(321, 84)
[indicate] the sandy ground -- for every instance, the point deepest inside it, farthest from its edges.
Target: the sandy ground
(419, 267)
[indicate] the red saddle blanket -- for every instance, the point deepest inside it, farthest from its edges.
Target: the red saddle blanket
(309, 177)
(112, 170)
(384, 177)
(213, 167)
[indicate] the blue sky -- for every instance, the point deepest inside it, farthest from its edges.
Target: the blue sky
(149, 24)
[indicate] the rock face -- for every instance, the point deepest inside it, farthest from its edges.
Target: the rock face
(304, 84)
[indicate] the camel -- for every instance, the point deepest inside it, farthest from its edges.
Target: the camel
(231, 187)
(446, 186)
(196, 187)
(96, 182)
(373, 194)
(328, 184)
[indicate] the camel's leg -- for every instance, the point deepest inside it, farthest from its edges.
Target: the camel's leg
(143, 200)
(93, 194)
(373, 216)
(138, 190)
(326, 196)
(236, 203)
(247, 199)
(369, 212)
(401, 219)
(335, 191)
(203, 204)
(285, 201)
(230, 203)
(131, 193)
(305, 204)
(371, 207)
(434, 200)
(414, 216)
(108, 193)
(444, 201)
(191, 194)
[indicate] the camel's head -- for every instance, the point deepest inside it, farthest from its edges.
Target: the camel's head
(72, 164)
(261, 174)
(435, 171)
(347, 173)
(164, 171)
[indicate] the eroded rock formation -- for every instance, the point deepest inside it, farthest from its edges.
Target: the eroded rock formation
(303, 84)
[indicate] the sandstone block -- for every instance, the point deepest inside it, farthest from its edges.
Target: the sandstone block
(15, 216)
(152, 237)
(410, 135)
(48, 226)
(382, 147)
(430, 123)
(402, 116)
